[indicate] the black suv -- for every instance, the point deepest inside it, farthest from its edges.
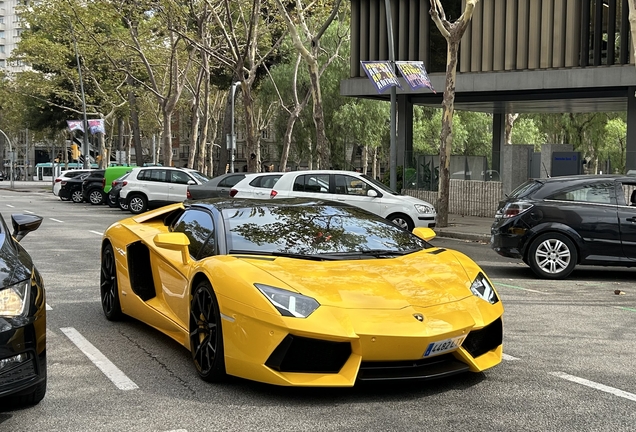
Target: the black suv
(93, 187)
(554, 224)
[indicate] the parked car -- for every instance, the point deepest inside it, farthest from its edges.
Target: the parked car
(216, 187)
(22, 317)
(65, 175)
(113, 195)
(93, 188)
(301, 293)
(554, 224)
(155, 186)
(255, 185)
(359, 190)
(71, 189)
(112, 173)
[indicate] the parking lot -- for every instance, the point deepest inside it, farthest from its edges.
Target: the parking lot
(568, 349)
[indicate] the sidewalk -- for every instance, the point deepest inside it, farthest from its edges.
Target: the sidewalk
(460, 227)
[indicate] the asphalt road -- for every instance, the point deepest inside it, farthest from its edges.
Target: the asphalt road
(569, 347)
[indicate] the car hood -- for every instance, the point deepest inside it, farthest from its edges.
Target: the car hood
(420, 279)
(15, 264)
(411, 200)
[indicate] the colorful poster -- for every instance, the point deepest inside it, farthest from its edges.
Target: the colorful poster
(415, 74)
(381, 74)
(96, 126)
(75, 125)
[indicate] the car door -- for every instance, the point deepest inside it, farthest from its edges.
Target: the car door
(627, 216)
(155, 185)
(590, 210)
(178, 187)
(225, 185)
(198, 226)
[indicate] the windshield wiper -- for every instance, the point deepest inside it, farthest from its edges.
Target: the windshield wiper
(375, 253)
(314, 257)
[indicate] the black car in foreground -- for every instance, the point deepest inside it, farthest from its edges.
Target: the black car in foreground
(22, 318)
(556, 223)
(93, 188)
(113, 195)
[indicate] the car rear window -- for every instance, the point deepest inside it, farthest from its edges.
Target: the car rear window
(525, 189)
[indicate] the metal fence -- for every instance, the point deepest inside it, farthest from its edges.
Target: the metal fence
(467, 197)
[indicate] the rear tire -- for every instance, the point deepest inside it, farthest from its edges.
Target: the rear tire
(552, 256)
(96, 197)
(137, 203)
(77, 197)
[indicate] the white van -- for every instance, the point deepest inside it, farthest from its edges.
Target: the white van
(359, 190)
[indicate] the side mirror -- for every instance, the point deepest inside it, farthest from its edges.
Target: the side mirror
(191, 182)
(174, 241)
(372, 193)
(426, 234)
(24, 224)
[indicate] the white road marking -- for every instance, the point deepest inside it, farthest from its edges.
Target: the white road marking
(111, 371)
(48, 307)
(56, 220)
(9, 205)
(595, 385)
(28, 211)
(509, 357)
(97, 232)
(178, 430)
(520, 288)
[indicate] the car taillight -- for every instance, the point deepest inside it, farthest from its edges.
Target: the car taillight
(273, 193)
(114, 183)
(57, 180)
(233, 193)
(188, 194)
(515, 209)
(103, 183)
(124, 183)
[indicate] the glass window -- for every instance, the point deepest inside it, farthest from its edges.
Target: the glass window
(600, 193)
(231, 180)
(351, 185)
(179, 177)
(314, 183)
(152, 175)
(198, 226)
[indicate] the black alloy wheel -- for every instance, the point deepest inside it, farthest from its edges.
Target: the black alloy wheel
(112, 201)
(77, 197)
(108, 285)
(402, 220)
(552, 256)
(206, 339)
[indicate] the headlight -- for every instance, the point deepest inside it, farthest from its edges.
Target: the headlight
(483, 289)
(289, 303)
(13, 299)
(422, 208)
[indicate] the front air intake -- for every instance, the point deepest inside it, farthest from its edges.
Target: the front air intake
(481, 341)
(300, 354)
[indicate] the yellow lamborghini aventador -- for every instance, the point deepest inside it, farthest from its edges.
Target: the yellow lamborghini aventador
(301, 293)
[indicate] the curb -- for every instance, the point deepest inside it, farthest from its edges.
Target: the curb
(483, 238)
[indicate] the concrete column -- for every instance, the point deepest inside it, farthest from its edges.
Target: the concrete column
(404, 130)
(630, 160)
(498, 140)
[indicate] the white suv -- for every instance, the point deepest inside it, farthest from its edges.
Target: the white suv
(155, 186)
(359, 190)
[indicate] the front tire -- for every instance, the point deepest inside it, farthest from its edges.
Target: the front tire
(137, 204)
(206, 337)
(552, 256)
(108, 285)
(402, 220)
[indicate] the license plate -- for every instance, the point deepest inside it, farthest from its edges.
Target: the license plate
(444, 346)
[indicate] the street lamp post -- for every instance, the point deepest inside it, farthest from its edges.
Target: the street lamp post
(231, 145)
(393, 143)
(85, 148)
(11, 156)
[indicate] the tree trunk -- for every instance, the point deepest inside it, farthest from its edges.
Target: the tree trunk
(510, 122)
(446, 139)
(287, 138)
(322, 144)
(251, 139)
(134, 117)
(167, 138)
